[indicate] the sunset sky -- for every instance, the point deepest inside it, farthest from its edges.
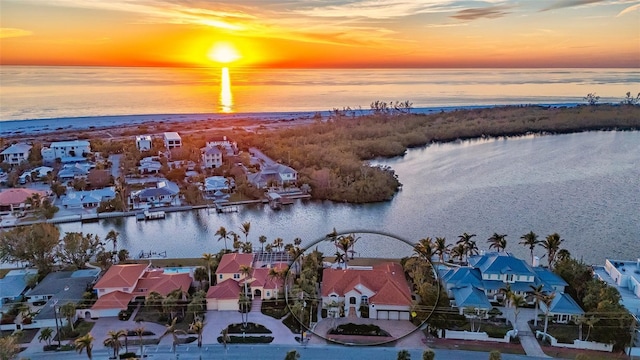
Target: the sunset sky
(318, 33)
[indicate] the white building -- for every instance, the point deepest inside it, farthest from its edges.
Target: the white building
(67, 151)
(172, 140)
(211, 157)
(16, 153)
(143, 142)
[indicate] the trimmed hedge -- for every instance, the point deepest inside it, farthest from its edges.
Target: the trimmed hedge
(247, 339)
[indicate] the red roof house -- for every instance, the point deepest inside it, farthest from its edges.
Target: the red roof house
(15, 199)
(382, 288)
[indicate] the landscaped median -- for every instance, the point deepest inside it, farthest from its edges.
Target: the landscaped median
(361, 334)
(249, 333)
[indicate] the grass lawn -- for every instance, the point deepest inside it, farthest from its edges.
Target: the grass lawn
(493, 330)
(562, 332)
(485, 346)
(276, 311)
(565, 353)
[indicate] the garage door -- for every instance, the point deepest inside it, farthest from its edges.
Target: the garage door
(404, 315)
(383, 315)
(393, 315)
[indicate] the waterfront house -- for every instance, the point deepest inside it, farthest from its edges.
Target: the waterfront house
(57, 289)
(66, 151)
(562, 308)
(273, 174)
(87, 199)
(16, 199)
(487, 277)
(230, 281)
(382, 290)
(143, 142)
(172, 140)
(229, 267)
(217, 186)
(13, 284)
(211, 157)
(16, 153)
(122, 284)
(164, 193)
(224, 296)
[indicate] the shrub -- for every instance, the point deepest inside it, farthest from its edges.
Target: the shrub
(128, 355)
(495, 355)
(428, 355)
(248, 339)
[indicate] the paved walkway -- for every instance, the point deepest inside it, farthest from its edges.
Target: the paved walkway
(527, 338)
(216, 321)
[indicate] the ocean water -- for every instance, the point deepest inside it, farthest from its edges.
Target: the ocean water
(29, 92)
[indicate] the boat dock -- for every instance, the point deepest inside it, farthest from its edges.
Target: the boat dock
(150, 215)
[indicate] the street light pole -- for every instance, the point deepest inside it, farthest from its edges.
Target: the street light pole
(55, 314)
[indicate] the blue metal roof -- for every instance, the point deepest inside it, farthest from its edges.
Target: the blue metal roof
(471, 296)
(564, 304)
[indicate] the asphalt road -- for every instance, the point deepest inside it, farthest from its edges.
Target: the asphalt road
(319, 352)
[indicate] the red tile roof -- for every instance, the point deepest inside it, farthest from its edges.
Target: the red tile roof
(18, 196)
(228, 289)
(230, 263)
(261, 278)
(162, 283)
(113, 300)
(386, 280)
(121, 276)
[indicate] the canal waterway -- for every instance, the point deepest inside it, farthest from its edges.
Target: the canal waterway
(584, 186)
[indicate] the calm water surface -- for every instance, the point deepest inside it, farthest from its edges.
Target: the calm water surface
(32, 92)
(584, 186)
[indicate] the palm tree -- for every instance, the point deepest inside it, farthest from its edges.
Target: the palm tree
(198, 328)
(538, 296)
(441, 248)
(552, 245)
(153, 301)
(563, 255)
(517, 301)
(209, 259)
(140, 332)
(292, 355)
(457, 252)
(244, 302)
(112, 236)
(278, 243)
(246, 270)
(113, 341)
(262, 240)
(404, 355)
(68, 310)
(424, 248)
(225, 337)
(580, 320)
(245, 228)
(222, 234)
(531, 240)
(277, 275)
(247, 247)
(339, 257)
(85, 343)
(200, 274)
(468, 244)
(497, 241)
(46, 335)
(172, 330)
(590, 322)
(547, 300)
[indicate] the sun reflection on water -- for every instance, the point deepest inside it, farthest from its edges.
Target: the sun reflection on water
(226, 97)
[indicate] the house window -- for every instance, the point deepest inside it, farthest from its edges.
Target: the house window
(236, 276)
(364, 300)
(509, 277)
(352, 300)
(220, 276)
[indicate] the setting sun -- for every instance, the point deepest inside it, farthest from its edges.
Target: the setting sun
(223, 53)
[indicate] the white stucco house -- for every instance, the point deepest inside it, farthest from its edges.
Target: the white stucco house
(66, 151)
(16, 153)
(143, 142)
(172, 140)
(211, 157)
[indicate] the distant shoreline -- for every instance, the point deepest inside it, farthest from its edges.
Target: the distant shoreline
(38, 127)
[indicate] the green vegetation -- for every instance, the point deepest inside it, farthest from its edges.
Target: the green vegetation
(330, 155)
(247, 339)
(358, 329)
(250, 328)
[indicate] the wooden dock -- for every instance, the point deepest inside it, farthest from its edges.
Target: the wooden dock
(150, 215)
